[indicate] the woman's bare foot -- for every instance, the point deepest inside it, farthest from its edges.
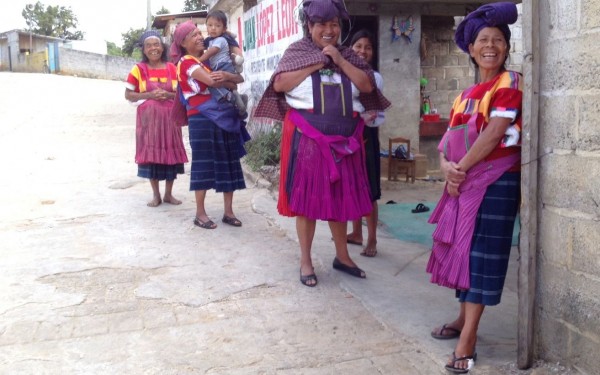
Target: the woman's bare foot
(171, 199)
(155, 202)
(370, 250)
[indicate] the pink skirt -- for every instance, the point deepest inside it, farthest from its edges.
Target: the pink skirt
(314, 196)
(158, 139)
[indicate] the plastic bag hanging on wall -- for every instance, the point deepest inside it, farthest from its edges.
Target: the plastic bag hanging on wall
(402, 28)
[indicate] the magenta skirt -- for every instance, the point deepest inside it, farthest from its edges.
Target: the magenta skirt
(311, 191)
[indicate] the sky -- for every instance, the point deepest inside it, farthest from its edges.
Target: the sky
(99, 20)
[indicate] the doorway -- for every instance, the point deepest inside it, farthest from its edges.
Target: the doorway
(370, 23)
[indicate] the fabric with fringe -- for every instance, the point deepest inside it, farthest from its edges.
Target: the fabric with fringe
(304, 53)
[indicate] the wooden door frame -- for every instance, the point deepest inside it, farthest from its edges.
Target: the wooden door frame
(529, 185)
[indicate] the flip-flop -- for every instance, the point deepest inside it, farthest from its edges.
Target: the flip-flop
(354, 271)
(205, 224)
(231, 221)
(304, 279)
(457, 370)
(420, 208)
(454, 333)
(352, 242)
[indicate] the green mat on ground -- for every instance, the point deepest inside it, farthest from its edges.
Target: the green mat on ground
(402, 224)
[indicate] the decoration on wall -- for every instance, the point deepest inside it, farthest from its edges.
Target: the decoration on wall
(402, 28)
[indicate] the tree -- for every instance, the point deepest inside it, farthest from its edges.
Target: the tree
(113, 50)
(191, 5)
(163, 10)
(130, 42)
(56, 21)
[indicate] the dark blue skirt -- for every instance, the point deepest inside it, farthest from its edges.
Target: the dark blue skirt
(492, 241)
(215, 157)
(371, 137)
(160, 171)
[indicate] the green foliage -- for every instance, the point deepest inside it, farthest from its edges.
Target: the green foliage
(163, 10)
(191, 5)
(113, 50)
(130, 40)
(263, 149)
(56, 21)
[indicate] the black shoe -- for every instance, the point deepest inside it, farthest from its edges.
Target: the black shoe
(354, 271)
(305, 279)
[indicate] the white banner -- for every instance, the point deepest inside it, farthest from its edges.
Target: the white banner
(264, 33)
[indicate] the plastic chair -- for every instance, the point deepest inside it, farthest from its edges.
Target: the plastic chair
(399, 163)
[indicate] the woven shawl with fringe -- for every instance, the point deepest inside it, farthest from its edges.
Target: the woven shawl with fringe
(302, 54)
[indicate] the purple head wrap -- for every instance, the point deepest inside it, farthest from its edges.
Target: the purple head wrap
(149, 34)
(324, 10)
(498, 15)
(181, 31)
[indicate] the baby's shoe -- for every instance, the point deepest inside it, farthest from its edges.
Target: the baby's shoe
(240, 104)
(238, 62)
(237, 59)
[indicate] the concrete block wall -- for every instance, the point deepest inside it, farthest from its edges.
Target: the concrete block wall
(445, 66)
(567, 314)
(94, 65)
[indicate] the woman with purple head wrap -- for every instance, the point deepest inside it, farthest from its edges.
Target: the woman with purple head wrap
(160, 153)
(480, 157)
(319, 89)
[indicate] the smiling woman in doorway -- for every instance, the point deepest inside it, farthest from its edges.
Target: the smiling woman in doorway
(480, 157)
(362, 43)
(319, 89)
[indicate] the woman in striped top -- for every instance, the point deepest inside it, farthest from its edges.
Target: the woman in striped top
(480, 157)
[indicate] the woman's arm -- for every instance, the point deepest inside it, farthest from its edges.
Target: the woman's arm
(217, 79)
(485, 143)
(286, 81)
(158, 94)
(358, 76)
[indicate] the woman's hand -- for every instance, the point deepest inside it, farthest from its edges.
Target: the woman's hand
(453, 174)
(160, 94)
(356, 75)
(220, 76)
(333, 53)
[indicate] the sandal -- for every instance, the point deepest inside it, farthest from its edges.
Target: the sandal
(205, 224)
(354, 271)
(457, 370)
(454, 333)
(420, 208)
(231, 221)
(305, 279)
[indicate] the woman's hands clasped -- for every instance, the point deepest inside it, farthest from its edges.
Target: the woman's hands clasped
(160, 94)
(453, 175)
(333, 53)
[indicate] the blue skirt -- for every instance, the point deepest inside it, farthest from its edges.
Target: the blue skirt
(492, 241)
(371, 137)
(160, 171)
(215, 157)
